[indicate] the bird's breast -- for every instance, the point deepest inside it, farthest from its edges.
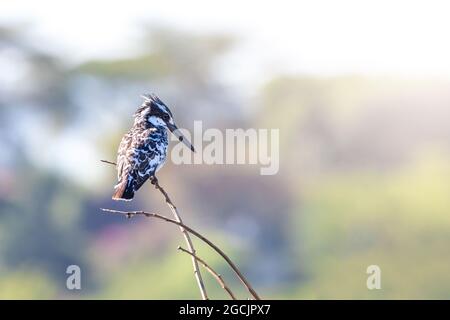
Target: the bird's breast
(159, 144)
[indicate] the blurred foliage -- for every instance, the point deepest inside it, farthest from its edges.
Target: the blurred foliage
(166, 54)
(364, 178)
(26, 284)
(398, 221)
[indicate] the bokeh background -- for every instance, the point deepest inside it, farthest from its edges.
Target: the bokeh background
(360, 91)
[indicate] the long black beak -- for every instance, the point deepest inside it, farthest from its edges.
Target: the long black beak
(177, 133)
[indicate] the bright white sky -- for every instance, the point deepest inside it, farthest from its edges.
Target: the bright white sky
(319, 37)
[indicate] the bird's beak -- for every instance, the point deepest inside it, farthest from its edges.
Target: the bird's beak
(174, 129)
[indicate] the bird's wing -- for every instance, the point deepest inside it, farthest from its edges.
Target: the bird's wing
(122, 159)
(137, 159)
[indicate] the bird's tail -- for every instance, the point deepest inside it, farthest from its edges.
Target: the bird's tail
(123, 191)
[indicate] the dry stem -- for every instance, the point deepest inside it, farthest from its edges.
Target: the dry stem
(244, 281)
(217, 276)
(187, 238)
(185, 228)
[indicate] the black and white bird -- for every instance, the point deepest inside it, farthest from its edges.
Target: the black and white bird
(143, 150)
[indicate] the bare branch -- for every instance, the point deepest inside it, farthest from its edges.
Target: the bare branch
(109, 162)
(186, 236)
(217, 276)
(244, 281)
(129, 214)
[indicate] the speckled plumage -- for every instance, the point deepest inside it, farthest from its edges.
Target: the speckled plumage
(143, 150)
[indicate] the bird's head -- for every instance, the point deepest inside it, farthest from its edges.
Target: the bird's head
(154, 113)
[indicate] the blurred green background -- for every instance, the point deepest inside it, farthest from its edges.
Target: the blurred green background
(364, 159)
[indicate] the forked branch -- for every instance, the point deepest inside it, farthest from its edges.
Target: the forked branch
(184, 227)
(217, 276)
(244, 281)
(187, 238)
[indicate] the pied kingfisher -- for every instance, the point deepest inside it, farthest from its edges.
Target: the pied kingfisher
(143, 149)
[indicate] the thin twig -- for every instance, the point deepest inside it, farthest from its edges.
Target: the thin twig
(217, 276)
(109, 162)
(130, 214)
(183, 226)
(187, 238)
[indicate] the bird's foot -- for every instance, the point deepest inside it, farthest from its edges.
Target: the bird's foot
(154, 181)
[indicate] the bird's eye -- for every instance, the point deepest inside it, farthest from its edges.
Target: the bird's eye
(166, 117)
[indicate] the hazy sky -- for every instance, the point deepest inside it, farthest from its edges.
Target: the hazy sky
(317, 37)
(320, 37)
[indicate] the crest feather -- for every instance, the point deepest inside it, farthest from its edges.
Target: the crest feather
(151, 99)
